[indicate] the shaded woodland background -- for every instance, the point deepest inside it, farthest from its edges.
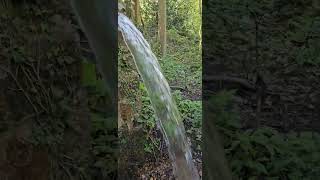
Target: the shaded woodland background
(261, 70)
(53, 122)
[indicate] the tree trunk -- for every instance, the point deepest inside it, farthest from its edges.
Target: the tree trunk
(200, 30)
(137, 14)
(162, 26)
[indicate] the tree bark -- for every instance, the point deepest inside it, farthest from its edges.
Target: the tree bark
(162, 26)
(137, 14)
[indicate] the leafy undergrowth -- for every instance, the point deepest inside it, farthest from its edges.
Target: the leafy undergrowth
(147, 147)
(44, 78)
(40, 83)
(104, 136)
(191, 113)
(265, 152)
(182, 64)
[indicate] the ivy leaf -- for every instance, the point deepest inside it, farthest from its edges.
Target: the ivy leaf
(234, 145)
(101, 87)
(257, 166)
(281, 164)
(88, 74)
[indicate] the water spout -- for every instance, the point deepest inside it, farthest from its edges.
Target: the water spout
(168, 116)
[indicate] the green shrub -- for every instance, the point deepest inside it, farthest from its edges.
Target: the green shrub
(265, 152)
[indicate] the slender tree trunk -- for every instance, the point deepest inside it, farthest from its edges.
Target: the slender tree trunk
(137, 14)
(162, 25)
(200, 30)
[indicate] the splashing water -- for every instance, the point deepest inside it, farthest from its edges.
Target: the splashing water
(169, 120)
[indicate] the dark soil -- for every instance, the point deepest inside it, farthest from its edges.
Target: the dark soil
(135, 163)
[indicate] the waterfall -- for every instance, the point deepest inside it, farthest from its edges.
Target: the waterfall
(168, 117)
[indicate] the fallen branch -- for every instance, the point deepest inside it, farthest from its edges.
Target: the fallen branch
(239, 81)
(177, 88)
(20, 87)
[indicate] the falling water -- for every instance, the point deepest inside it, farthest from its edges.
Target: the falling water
(169, 120)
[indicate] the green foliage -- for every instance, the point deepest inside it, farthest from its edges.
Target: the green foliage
(147, 120)
(149, 13)
(88, 74)
(184, 49)
(268, 31)
(265, 152)
(104, 129)
(226, 118)
(183, 16)
(172, 69)
(181, 66)
(147, 116)
(103, 145)
(152, 145)
(191, 111)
